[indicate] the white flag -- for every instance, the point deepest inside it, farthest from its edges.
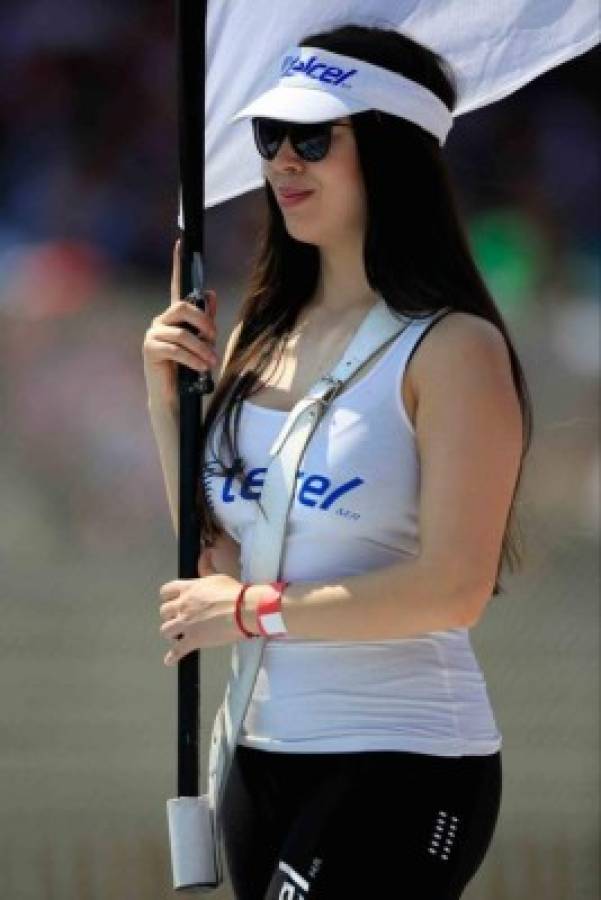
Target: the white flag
(494, 47)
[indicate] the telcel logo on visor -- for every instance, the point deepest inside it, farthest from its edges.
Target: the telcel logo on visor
(292, 65)
(328, 85)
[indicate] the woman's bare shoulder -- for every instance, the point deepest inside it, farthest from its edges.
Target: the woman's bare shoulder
(459, 339)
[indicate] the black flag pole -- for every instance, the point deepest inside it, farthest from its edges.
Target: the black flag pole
(195, 858)
(192, 385)
(195, 862)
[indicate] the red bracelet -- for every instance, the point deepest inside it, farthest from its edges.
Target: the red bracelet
(269, 612)
(238, 612)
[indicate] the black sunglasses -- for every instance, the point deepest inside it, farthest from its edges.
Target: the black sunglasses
(311, 140)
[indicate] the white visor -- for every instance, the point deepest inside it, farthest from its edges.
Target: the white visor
(317, 85)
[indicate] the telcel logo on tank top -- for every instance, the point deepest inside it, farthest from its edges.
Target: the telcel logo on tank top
(315, 490)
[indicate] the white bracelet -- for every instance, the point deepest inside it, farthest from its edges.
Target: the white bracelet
(270, 622)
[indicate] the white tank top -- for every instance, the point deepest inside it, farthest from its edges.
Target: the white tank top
(355, 509)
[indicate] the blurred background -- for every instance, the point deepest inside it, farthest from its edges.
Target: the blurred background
(88, 207)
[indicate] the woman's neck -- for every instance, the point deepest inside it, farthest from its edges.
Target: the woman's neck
(342, 284)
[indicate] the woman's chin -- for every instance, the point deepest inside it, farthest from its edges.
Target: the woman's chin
(304, 234)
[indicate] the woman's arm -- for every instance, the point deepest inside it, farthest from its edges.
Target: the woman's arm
(469, 436)
(165, 424)
(224, 555)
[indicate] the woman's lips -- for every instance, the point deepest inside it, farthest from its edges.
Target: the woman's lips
(294, 199)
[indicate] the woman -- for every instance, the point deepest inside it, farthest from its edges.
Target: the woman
(369, 764)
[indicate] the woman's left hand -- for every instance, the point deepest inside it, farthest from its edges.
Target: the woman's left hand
(201, 609)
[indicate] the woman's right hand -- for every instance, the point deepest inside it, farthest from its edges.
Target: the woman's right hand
(167, 343)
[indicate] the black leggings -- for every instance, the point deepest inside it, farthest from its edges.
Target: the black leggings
(357, 826)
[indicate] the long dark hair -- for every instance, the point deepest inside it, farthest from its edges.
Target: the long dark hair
(416, 253)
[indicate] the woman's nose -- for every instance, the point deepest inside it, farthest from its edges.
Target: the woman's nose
(286, 153)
